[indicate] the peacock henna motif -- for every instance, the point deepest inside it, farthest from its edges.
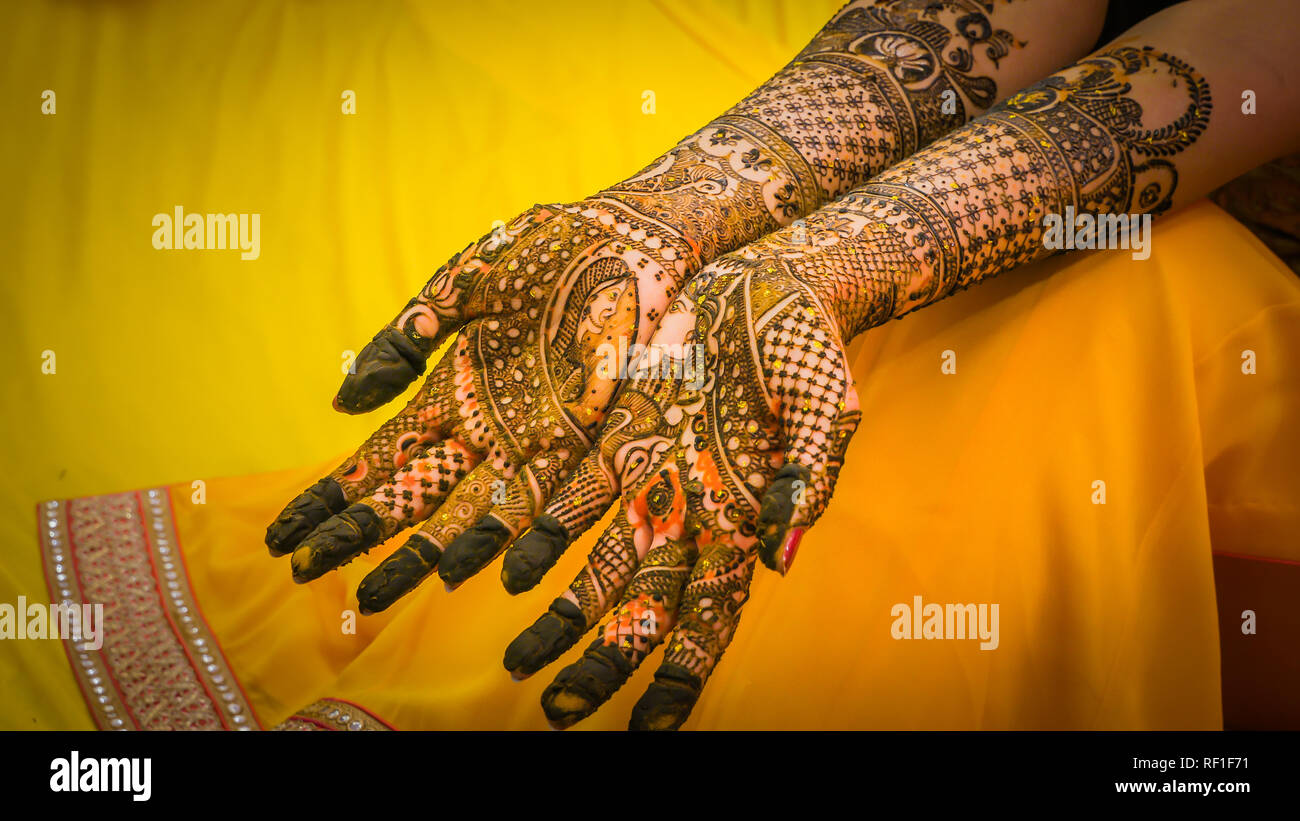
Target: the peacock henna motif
(753, 454)
(512, 409)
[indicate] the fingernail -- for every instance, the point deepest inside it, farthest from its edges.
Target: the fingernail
(790, 548)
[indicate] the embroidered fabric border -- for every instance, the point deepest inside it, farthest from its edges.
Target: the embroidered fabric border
(159, 667)
(332, 714)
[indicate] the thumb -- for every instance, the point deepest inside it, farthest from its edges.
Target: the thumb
(803, 486)
(396, 356)
(398, 353)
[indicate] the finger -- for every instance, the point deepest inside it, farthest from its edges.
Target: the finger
(628, 635)
(397, 354)
(301, 516)
(799, 494)
(406, 436)
(470, 508)
(517, 503)
(653, 515)
(818, 408)
(429, 417)
(412, 496)
(633, 443)
(610, 566)
(412, 563)
(585, 497)
(707, 617)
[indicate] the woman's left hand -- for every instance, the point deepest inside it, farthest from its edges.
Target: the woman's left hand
(724, 448)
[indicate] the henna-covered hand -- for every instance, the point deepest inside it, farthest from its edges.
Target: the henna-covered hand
(511, 409)
(506, 413)
(710, 479)
(716, 467)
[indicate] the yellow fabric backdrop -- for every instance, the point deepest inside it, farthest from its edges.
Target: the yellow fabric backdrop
(970, 487)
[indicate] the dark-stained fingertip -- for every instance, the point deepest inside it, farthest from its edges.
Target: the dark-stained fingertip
(668, 701)
(383, 369)
(533, 554)
(775, 513)
(558, 629)
(303, 567)
(469, 552)
(302, 515)
(283, 537)
(769, 546)
(563, 708)
(583, 686)
(399, 574)
(337, 541)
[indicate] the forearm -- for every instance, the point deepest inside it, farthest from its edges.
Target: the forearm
(880, 81)
(1150, 121)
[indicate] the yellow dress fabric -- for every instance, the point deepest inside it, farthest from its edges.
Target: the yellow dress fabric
(970, 487)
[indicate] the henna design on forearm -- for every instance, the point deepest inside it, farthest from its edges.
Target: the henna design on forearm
(973, 205)
(877, 83)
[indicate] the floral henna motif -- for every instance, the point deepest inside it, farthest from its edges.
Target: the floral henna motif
(755, 452)
(512, 410)
(841, 112)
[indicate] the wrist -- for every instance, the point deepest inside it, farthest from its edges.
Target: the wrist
(727, 184)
